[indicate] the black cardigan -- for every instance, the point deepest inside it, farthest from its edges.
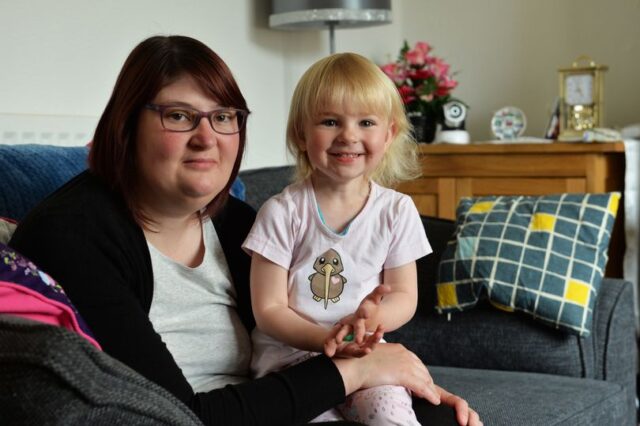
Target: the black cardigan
(85, 238)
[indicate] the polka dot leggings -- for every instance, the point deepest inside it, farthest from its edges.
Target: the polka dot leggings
(378, 406)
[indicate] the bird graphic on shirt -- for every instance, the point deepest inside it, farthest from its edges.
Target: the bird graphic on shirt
(327, 283)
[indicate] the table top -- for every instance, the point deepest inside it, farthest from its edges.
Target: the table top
(512, 148)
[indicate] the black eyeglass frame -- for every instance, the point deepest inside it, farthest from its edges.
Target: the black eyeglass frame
(243, 113)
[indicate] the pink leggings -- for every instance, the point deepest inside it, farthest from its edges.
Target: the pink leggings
(382, 405)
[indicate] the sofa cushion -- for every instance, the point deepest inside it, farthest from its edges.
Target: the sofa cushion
(505, 398)
(541, 255)
(31, 172)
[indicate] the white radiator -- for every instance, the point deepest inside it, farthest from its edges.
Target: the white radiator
(61, 130)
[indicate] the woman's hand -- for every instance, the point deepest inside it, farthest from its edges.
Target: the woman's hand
(393, 364)
(464, 414)
(389, 364)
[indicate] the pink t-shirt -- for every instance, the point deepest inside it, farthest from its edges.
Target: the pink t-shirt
(330, 274)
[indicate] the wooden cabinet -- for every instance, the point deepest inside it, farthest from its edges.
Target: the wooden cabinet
(450, 172)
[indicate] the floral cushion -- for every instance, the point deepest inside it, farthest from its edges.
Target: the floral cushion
(28, 292)
(544, 256)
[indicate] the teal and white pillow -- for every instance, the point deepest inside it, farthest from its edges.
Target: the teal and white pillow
(544, 256)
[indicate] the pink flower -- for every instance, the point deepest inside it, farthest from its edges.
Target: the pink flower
(423, 46)
(395, 72)
(421, 74)
(445, 86)
(407, 93)
(439, 67)
(415, 57)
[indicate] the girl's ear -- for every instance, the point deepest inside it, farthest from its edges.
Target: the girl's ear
(392, 131)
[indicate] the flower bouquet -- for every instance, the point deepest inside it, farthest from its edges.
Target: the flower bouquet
(424, 82)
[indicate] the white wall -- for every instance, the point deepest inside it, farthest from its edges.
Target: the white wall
(62, 57)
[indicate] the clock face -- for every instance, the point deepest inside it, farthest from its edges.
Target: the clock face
(579, 89)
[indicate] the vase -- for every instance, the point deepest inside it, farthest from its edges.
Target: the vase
(424, 127)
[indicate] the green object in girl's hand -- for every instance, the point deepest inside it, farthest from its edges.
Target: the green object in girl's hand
(348, 338)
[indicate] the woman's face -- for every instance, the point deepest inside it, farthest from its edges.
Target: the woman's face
(181, 172)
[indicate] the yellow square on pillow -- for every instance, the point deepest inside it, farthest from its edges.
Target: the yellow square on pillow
(577, 292)
(542, 222)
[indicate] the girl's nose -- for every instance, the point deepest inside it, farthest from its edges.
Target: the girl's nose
(349, 134)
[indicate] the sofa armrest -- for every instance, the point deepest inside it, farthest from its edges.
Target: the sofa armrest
(614, 336)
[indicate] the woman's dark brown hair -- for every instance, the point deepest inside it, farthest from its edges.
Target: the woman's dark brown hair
(152, 65)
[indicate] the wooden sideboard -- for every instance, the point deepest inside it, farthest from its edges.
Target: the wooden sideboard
(450, 172)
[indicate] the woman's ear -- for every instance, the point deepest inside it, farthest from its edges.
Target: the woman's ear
(301, 143)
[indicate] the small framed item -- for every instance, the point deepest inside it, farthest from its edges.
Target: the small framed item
(508, 123)
(581, 98)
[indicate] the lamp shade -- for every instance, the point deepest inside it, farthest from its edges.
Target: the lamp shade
(320, 14)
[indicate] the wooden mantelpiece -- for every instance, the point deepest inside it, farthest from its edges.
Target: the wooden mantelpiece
(450, 172)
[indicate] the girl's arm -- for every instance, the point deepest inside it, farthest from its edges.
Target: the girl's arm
(270, 302)
(399, 305)
(388, 307)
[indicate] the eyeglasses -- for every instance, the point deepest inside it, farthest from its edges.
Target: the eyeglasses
(176, 118)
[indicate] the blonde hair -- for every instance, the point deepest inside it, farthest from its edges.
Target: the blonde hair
(349, 78)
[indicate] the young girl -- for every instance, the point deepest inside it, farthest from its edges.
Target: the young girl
(333, 255)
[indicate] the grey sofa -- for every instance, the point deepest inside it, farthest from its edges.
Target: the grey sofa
(513, 370)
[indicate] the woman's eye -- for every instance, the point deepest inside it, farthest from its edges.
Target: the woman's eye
(178, 115)
(224, 117)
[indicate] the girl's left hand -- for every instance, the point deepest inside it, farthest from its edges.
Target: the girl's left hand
(368, 308)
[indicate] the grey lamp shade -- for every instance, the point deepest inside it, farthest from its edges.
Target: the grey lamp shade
(320, 14)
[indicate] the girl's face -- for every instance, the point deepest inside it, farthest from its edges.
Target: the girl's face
(181, 172)
(344, 145)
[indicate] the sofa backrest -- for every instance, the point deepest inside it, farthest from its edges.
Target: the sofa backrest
(261, 184)
(28, 173)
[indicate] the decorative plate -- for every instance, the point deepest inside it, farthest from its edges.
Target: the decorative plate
(508, 123)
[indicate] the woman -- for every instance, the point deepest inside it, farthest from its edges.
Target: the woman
(147, 245)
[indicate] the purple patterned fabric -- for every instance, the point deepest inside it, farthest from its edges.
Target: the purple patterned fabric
(15, 269)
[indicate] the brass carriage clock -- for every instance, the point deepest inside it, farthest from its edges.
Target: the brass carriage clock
(581, 98)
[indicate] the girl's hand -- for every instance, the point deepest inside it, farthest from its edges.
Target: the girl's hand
(336, 345)
(356, 323)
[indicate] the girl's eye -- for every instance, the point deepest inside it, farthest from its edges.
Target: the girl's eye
(178, 115)
(367, 123)
(329, 122)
